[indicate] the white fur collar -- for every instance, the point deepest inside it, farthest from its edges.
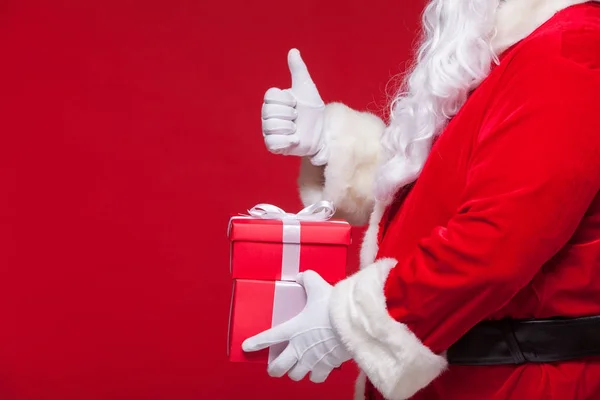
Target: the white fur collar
(517, 19)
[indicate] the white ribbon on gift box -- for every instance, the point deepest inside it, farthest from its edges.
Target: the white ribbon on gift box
(320, 211)
(290, 261)
(289, 300)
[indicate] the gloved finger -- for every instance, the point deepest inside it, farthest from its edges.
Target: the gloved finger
(313, 284)
(278, 127)
(298, 68)
(298, 372)
(278, 334)
(320, 373)
(278, 111)
(280, 143)
(278, 96)
(302, 84)
(283, 363)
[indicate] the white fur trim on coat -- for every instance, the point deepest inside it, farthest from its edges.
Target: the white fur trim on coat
(390, 355)
(370, 245)
(360, 386)
(517, 19)
(353, 141)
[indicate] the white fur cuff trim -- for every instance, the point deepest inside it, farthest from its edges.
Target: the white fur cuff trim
(391, 356)
(353, 142)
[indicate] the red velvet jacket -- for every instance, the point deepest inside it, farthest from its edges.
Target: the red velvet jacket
(504, 221)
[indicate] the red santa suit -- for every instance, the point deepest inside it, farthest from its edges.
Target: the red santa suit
(503, 221)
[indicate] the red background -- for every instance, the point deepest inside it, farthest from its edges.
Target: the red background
(130, 131)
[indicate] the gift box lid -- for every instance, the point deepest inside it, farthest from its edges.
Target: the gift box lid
(331, 232)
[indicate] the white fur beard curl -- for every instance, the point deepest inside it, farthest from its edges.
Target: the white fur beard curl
(455, 56)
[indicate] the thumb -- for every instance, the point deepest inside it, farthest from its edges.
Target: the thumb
(303, 86)
(313, 284)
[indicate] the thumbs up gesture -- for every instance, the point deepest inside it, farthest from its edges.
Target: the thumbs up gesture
(292, 119)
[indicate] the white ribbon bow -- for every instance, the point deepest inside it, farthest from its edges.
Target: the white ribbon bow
(320, 211)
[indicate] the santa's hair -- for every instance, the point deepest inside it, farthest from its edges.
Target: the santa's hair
(455, 56)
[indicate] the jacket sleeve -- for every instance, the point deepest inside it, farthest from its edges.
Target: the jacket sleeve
(533, 172)
(353, 140)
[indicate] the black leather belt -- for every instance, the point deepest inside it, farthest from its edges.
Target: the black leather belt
(527, 341)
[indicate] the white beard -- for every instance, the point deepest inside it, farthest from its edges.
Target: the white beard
(455, 56)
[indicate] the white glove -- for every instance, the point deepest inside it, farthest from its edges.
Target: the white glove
(313, 345)
(292, 119)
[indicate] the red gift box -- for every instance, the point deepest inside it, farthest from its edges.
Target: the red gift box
(277, 249)
(257, 306)
(269, 248)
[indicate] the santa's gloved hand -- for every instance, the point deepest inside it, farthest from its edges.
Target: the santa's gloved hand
(313, 345)
(292, 119)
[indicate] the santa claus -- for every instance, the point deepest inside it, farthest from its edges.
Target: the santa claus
(480, 269)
